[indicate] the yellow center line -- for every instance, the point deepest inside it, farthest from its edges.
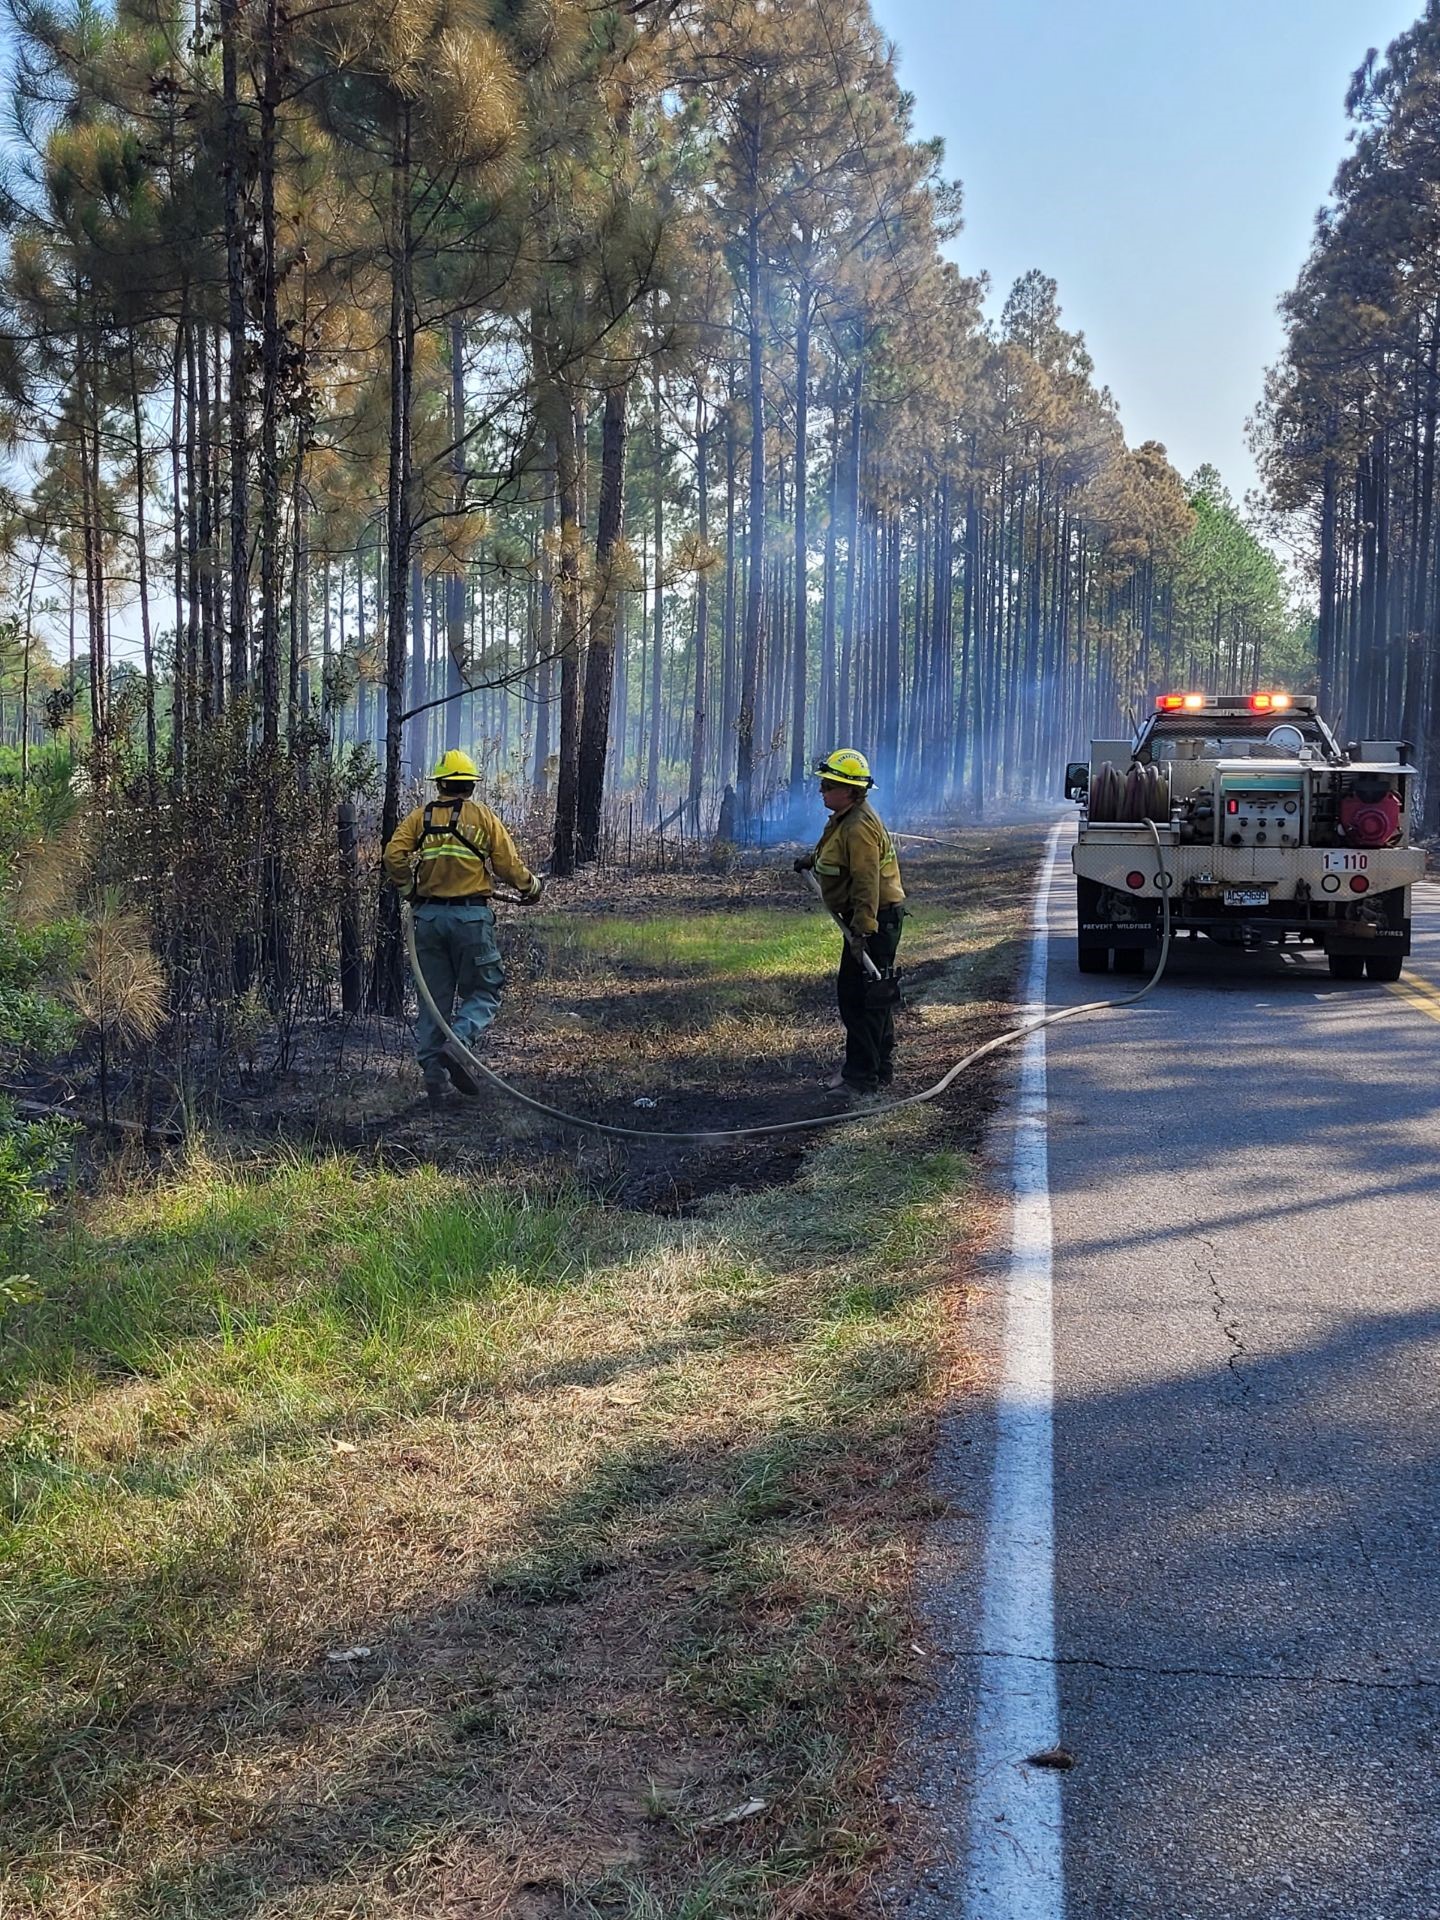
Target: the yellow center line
(1426, 1002)
(1417, 983)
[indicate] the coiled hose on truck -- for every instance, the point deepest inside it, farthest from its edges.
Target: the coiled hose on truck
(1142, 793)
(712, 1136)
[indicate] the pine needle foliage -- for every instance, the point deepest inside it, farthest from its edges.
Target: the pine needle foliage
(1347, 430)
(590, 387)
(119, 985)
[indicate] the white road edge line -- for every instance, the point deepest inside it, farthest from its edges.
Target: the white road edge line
(1015, 1867)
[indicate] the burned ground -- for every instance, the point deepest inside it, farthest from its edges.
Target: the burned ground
(605, 1019)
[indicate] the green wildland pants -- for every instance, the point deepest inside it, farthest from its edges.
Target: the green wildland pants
(455, 941)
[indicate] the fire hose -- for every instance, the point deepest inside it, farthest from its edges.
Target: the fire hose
(711, 1136)
(872, 973)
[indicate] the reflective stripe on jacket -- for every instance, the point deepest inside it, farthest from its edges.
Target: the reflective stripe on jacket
(444, 867)
(857, 867)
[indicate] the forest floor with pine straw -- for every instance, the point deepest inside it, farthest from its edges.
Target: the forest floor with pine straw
(456, 1526)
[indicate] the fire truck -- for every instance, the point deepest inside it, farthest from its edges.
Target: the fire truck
(1270, 831)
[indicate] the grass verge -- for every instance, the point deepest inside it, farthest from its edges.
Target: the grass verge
(386, 1543)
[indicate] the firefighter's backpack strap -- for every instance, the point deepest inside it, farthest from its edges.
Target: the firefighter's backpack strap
(451, 831)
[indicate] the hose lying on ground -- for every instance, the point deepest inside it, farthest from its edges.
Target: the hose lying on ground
(711, 1136)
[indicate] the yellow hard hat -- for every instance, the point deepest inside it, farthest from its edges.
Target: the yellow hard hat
(846, 768)
(455, 765)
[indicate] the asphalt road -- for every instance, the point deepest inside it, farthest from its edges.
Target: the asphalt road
(1244, 1179)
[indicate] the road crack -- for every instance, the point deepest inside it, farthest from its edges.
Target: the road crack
(1410, 1683)
(1226, 1320)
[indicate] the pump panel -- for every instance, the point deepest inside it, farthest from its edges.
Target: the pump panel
(1260, 810)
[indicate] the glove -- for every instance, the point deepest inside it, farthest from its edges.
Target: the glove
(537, 889)
(805, 863)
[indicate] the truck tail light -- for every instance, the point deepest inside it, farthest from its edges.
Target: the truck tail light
(1138, 880)
(1359, 884)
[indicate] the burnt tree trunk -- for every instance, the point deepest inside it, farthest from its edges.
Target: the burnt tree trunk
(387, 982)
(600, 655)
(702, 617)
(755, 578)
(235, 320)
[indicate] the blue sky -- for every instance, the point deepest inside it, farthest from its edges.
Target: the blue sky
(1163, 160)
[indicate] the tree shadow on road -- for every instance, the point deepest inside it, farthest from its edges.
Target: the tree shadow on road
(1247, 1493)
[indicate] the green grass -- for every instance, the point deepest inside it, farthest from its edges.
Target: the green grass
(774, 944)
(622, 1507)
(201, 1412)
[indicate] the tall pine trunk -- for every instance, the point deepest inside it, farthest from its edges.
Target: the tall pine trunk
(142, 558)
(845, 695)
(235, 320)
(702, 617)
(600, 655)
(270, 375)
(800, 660)
(455, 578)
(545, 684)
(387, 982)
(566, 447)
(657, 652)
(755, 577)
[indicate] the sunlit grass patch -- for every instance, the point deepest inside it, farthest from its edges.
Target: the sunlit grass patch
(297, 1249)
(730, 945)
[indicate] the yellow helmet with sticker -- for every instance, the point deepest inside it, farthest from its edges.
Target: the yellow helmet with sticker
(846, 768)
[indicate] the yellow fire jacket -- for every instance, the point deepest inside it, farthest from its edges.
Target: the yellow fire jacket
(444, 867)
(857, 867)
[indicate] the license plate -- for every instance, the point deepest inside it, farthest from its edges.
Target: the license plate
(1247, 896)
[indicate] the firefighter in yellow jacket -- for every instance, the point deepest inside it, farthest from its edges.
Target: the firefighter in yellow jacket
(444, 854)
(859, 874)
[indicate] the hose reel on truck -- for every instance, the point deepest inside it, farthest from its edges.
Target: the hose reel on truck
(1140, 793)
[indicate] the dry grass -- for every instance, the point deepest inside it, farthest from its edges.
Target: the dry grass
(622, 1508)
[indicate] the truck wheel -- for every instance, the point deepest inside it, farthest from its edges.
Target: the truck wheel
(1346, 966)
(1384, 966)
(1129, 960)
(1093, 959)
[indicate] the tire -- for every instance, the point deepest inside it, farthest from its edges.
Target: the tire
(1384, 966)
(1093, 959)
(1129, 960)
(1346, 966)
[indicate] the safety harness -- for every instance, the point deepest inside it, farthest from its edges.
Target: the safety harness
(431, 830)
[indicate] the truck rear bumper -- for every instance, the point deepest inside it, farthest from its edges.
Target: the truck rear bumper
(1109, 855)
(1116, 918)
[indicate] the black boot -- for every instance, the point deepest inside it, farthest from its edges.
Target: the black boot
(460, 1071)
